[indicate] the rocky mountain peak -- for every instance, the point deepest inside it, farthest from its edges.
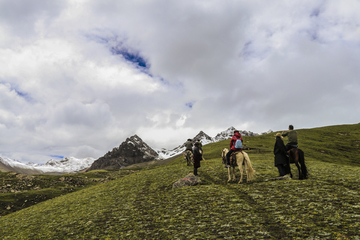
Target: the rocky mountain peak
(203, 137)
(135, 146)
(132, 150)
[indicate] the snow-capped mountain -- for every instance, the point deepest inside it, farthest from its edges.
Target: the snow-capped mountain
(204, 139)
(66, 165)
(132, 150)
(165, 154)
(228, 133)
(269, 131)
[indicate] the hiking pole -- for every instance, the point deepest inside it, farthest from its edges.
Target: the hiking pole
(208, 164)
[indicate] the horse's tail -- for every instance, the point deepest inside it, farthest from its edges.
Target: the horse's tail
(250, 170)
(304, 170)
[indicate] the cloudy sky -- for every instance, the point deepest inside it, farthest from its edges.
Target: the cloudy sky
(78, 77)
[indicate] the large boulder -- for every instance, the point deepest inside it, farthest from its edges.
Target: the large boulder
(188, 180)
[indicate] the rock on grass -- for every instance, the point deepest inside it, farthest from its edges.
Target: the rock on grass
(188, 180)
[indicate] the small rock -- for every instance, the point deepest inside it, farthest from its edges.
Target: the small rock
(286, 177)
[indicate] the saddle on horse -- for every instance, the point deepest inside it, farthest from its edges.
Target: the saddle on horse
(293, 155)
(233, 161)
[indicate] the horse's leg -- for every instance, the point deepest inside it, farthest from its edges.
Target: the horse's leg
(289, 166)
(302, 163)
(188, 158)
(298, 166)
(233, 178)
(296, 155)
(229, 173)
(304, 170)
(233, 174)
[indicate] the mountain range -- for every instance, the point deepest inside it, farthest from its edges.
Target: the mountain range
(132, 150)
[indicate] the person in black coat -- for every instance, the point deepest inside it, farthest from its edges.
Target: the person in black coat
(197, 157)
(281, 161)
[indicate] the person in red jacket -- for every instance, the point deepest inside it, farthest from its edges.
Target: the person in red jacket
(236, 136)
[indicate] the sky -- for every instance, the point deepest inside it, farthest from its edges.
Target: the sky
(78, 77)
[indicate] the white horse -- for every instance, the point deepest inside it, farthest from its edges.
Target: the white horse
(239, 158)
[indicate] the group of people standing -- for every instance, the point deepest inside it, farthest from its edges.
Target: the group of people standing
(280, 150)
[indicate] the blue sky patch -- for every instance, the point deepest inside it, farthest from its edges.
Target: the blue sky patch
(130, 56)
(116, 45)
(189, 104)
(315, 12)
(57, 156)
(24, 95)
(248, 51)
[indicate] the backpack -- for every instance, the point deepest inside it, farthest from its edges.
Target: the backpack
(238, 144)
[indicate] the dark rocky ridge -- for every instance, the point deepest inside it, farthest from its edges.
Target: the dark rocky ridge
(133, 150)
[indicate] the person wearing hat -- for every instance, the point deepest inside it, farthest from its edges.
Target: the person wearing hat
(236, 136)
(197, 157)
(188, 151)
(200, 144)
(280, 157)
(189, 145)
(292, 138)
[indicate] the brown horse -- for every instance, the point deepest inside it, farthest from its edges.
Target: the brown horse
(296, 155)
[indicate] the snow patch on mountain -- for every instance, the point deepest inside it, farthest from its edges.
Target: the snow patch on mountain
(65, 165)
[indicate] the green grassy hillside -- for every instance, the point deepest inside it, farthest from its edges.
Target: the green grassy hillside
(143, 205)
(19, 191)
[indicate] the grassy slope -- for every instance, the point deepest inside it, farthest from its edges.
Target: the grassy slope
(19, 191)
(143, 205)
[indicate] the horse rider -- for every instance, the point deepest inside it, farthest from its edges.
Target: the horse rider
(292, 138)
(188, 151)
(189, 145)
(236, 136)
(197, 157)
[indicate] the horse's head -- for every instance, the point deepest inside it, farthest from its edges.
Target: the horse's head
(224, 152)
(223, 155)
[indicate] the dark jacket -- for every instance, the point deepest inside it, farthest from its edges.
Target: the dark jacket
(233, 141)
(197, 157)
(280, 152)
